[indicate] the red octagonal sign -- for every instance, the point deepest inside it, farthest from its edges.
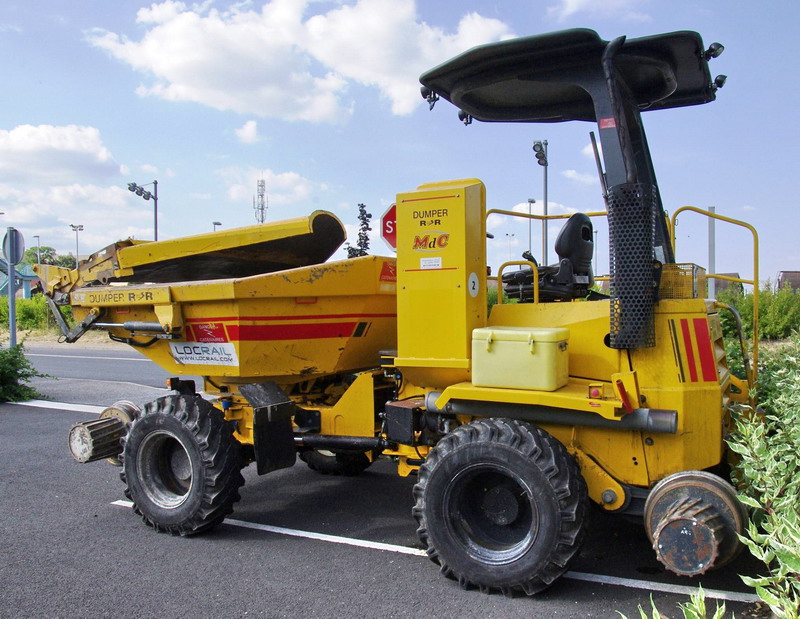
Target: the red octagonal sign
(389, 226)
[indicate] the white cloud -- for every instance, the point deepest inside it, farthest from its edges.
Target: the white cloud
(47, 153)
(580, 177)
(495, 221)
(277, 63)
(588, 151)
(283, 188)
(627, 10)
(107, 213)
(248, 132)
(392, 47)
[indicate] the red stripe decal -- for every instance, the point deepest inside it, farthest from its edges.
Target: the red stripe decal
(295, 317)
(706, 354)
(687, 344)
(430, 198)
(267, 333)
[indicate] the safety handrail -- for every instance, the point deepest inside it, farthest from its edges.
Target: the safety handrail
(753, 282)
(497, 211)
(522, 263)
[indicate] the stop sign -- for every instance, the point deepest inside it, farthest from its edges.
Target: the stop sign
(389, 226)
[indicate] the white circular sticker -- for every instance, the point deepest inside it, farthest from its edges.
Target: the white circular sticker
(473, 285)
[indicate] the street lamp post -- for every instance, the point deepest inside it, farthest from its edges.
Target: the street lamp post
(38, 249)
(140, 190)
(531, 202)
(76, 228)
(540, 148)
(215, 224)
(509, 236)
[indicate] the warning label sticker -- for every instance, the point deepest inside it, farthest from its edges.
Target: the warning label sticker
(190, 353)
(430, 263)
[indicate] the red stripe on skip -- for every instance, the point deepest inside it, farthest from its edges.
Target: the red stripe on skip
(687, 344)
(317, 331)
(704, 349)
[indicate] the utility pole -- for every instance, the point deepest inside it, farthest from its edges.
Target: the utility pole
(540, 148)
(76, 228)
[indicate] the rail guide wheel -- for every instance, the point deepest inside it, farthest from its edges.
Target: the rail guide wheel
(126, 412)
(693, 519)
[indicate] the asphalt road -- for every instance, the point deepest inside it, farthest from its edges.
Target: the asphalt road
(70, 551)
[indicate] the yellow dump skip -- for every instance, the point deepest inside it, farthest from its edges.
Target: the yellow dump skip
(238, 252)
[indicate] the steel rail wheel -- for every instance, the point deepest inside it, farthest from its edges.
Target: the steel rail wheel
(500, 506)
(181, 465)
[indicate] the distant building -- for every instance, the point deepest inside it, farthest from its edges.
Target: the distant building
(723, 284)
(789, 277)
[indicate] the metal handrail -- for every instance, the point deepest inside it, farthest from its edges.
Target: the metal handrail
(521, 263)
(497, 211)
(753, 282)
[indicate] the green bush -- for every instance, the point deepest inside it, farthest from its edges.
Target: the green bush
(32, 314)
(695, 608)
(778, 312)
(768, 474)
(15, 370)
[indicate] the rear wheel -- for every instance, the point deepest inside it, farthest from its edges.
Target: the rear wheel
(500, 506)
(181, 465)
(330, 463)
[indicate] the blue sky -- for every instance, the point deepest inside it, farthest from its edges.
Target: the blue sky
(321, 99)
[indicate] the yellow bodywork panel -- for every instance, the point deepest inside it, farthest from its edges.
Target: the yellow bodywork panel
(441, 266)
(289, 326)
(572, 397)
(354, 413)
(234, 253)
(686, 372)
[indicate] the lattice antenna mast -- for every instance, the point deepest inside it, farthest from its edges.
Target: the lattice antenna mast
(260, 201)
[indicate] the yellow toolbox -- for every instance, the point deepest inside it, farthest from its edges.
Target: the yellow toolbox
(520, 358)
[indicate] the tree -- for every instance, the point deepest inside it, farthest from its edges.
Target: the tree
(48, 255)
(362, 245)
(65, 260)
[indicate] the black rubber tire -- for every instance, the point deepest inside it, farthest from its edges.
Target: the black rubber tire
(500, 506)
(330, 463)
(181, 465)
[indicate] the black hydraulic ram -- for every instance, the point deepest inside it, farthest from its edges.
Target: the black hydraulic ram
(133, 325)
(354, 444)
(656, 421)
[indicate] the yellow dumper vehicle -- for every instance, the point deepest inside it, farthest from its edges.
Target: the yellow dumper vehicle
(514, 419)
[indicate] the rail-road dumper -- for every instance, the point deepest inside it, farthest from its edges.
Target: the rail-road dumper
(514, 420)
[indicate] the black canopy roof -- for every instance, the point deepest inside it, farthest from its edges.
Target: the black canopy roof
(545, 78)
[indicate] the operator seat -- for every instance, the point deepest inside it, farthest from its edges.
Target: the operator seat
(571, 278)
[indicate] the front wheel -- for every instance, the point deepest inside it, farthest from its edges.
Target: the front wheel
(181, 465)
(500, 506)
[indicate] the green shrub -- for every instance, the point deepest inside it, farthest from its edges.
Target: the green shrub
(15, 370)
(32, 314)
(773, 360)
(768, 474)
(778, 312)
(695, 608)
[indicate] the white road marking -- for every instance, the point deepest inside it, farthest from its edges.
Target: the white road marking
(38, 354)
(64, 406)
(729, 596)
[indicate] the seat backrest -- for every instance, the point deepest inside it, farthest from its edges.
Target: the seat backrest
(575, 243)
